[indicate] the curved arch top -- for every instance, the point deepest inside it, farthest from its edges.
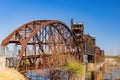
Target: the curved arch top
(39, 39)
(41, 36)
(38, 24)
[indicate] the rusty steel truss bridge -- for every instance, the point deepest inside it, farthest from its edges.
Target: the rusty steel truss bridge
(38, 40)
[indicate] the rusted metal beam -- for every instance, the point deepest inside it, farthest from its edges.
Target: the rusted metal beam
(51, 36)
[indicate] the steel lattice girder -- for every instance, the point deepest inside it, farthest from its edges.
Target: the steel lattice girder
(44, 36)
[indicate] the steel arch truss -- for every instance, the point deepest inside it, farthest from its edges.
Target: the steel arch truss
(42, 37)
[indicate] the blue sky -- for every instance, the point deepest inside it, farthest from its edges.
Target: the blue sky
(101, 18)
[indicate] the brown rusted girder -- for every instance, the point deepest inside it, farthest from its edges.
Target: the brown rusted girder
(41, 37)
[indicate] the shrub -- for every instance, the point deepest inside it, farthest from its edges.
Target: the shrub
(75, 69)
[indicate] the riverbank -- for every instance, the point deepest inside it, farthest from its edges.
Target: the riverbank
(11, 74)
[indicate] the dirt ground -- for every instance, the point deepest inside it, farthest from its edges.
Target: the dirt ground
(11, 74)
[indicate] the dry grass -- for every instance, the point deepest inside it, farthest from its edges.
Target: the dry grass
(11, 74)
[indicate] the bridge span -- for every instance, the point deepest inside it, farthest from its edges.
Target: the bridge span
(37, 41)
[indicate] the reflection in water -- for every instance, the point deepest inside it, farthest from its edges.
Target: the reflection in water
(44, 74)
(113, 74)
(38, 75)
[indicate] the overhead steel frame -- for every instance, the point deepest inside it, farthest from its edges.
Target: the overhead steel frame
(42, 36)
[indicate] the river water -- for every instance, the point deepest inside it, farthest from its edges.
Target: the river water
(43, 75)
(38, 75)
(112, 74)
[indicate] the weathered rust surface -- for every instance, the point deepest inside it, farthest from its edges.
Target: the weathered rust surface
(38, 40)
